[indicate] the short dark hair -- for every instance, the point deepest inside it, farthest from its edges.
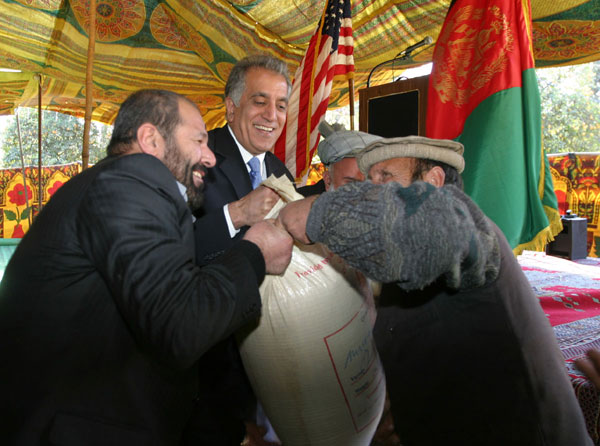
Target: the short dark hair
(157, 107)
(236, 83)
(423, 165)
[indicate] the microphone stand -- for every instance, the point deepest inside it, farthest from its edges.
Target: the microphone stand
(404, 55)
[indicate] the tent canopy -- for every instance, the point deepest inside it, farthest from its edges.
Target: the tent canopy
(189, 46)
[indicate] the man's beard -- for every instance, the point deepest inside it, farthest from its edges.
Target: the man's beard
(183, 171)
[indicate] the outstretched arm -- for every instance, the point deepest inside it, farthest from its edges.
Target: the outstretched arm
(410, 235)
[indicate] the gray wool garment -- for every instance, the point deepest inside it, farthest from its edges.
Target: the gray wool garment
(408, 235)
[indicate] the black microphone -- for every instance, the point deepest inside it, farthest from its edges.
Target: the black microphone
(405, 53)
(426, 41)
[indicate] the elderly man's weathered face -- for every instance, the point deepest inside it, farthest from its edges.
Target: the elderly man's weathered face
(399, 170)
(343, 172)
(259, 118)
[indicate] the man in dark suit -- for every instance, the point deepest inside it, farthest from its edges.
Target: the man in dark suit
(256, 99)
(103, 312)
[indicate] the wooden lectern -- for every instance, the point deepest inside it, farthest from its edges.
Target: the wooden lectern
(395, 109)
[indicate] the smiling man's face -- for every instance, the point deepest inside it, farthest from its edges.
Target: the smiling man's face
(186, 153)
(259, 118)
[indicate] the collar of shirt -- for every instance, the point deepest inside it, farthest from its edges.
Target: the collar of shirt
(246, 156)
(183, 192)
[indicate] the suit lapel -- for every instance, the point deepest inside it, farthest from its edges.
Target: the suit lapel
(276, 167)
(270, 165)
(232, 165)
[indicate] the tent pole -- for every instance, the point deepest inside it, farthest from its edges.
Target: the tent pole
(351, 101)
(23, 165)
(40, 192)
(89, 98)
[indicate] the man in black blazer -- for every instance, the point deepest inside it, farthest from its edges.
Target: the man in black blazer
(256, 99)
(103, 312)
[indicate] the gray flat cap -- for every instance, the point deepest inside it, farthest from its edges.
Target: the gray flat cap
(443, 150)
(339, 143)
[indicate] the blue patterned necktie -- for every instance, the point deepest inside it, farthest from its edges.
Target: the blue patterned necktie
(255, 177)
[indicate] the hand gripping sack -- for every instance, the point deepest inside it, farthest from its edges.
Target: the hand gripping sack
(311, 358)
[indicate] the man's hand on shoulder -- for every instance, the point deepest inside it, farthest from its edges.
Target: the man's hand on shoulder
(274, 243)
(253, 207)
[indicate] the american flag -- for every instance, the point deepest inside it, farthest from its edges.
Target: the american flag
(330, 54)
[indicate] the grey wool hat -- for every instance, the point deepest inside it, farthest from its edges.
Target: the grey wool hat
(443, 150)
(339, 143)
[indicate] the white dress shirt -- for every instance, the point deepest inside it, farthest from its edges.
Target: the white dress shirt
(246, 156)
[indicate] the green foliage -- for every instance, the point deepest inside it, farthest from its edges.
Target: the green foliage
(10, 215)
(570, 100)
(62, 139)
(25, 213)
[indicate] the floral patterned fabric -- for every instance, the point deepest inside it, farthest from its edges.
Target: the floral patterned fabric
(576, 179)
(569, 293)
(19, 208)
(190, 46)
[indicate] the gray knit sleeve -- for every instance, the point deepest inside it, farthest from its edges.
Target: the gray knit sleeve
(410, 236)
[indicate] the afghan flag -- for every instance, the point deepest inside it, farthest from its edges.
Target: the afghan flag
(483, 92)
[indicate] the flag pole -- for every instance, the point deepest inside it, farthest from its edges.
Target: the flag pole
(351, 101)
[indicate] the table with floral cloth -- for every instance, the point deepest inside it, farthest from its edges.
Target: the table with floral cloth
(569, 292)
